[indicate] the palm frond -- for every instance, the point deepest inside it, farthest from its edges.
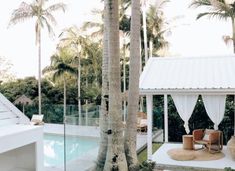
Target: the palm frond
(61, 69)
(66, 68)
(97, 33)
(21, 14)
(49, 28)
(160, 4)
(198, 3)
(50, 17)
(96, 11)
(56, 7)
(57, 74)
(221, 6)
(217, 15)
(48, 69)
(88, 25)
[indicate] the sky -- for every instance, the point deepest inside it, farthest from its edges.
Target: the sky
(17, 43)
(201, 37)
(190, 37)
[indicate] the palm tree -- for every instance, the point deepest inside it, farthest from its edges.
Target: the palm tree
(103, 121)
(60, 67)
(144, 2)
(43, 16)
(133, 96)
(115, 159)
(221, 9)
(98, 26)
(157, 27)
(74, 39)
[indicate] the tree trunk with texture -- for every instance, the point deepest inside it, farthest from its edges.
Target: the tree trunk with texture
(133, 96)
(86, 103)
(103, 121)
(233, 27)
(124, 79)
(39, 74)
(115, 159)
(145, 32)
(79, 91)
(64, 98)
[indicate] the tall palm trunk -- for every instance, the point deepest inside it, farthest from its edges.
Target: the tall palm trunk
(103, 121)
(64, 98)
(124, 80)
(64, 121)
(145, 32)
(151, 48)
(233, 28)
(133, 96)
(79, 90)
(116, 159)
(86, 101)
(39, 74)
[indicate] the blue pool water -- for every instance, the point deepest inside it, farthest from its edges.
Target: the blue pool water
(76, 146)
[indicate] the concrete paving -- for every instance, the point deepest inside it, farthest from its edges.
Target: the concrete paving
(163, 161)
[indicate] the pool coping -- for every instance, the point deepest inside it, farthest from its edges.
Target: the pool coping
(87, 161)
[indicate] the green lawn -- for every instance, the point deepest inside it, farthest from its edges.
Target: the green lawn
(142, 156)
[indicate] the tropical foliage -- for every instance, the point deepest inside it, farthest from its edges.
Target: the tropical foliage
(43, 17)
(5, 73)
(79, 75)
(60, 68)
(221, 10)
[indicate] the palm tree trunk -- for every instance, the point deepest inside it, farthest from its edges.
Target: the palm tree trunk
(145, 32)
(64, 98)
(133, 96)
(124, 79)
(64, 121)
(86, 102)
(116, 159)
(233, 28)
(150, 48)
(79, 91)
(39, 74)
(103, 121)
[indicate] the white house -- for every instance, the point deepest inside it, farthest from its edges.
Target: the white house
(21, 144)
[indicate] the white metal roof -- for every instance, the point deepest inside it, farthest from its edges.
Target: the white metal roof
(9, 114)
(189, 75)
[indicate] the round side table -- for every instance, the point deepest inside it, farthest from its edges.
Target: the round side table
(188, 142)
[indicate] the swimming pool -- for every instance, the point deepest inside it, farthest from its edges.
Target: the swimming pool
(76, 146)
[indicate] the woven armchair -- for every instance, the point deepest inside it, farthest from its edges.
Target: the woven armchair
(208, 138)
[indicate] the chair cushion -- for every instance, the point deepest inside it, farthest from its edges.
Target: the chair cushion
(143, 122)
(202, 142)
(206, 137)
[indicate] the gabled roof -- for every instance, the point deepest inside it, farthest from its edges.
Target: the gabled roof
(189, 75)
(9, 114)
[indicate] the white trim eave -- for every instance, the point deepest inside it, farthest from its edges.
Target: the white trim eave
(226, 91)
(22, 118)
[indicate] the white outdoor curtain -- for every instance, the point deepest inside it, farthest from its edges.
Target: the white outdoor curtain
(185, 105)
(215, 107)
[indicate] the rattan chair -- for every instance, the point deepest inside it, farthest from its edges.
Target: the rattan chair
(209, 138)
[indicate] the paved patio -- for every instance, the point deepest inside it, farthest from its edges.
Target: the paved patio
(164, 162)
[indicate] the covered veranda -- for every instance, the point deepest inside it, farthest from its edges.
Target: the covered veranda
(185, 78)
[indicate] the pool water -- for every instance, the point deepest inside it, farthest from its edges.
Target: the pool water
(76, 146)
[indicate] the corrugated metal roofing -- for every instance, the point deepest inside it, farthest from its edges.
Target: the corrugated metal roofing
(188, 73)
